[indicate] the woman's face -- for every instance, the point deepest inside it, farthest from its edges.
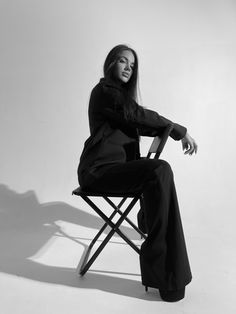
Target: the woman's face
(124, 66)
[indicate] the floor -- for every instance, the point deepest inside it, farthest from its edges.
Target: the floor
(41, 249)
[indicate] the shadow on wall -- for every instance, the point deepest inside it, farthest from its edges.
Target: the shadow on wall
(26, 226)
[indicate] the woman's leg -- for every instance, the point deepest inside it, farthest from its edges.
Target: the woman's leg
(163, 259)
(121, 177)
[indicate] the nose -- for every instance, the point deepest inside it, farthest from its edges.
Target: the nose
(128, 67)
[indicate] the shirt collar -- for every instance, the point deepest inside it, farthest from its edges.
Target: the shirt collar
(110, 83)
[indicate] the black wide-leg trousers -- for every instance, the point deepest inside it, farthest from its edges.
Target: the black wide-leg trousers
(163, 260)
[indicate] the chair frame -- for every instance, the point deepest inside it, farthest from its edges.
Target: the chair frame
(156, 148)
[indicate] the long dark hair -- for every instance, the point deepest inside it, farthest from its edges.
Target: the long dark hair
(130, 89)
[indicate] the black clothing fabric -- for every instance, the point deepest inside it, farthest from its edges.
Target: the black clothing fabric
(163, 259)
(113, 138)
(110, 162)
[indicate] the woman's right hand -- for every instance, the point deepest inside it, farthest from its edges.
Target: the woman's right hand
(189, 145)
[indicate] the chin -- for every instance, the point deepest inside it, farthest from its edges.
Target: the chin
(124, 79)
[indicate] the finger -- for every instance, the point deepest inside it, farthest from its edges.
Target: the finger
(194, 150)
(184, 145)
(187, 152)
(190, 150)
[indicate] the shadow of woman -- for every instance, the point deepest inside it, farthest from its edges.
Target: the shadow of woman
(26, 226)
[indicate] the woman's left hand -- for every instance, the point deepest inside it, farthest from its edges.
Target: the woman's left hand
(189, 145)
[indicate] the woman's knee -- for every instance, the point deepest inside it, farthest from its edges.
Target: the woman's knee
(165, 164)
(158, 168)
(164, 168)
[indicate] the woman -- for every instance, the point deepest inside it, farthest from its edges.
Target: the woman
(111, 162)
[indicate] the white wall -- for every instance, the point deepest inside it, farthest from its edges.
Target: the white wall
(51, 55)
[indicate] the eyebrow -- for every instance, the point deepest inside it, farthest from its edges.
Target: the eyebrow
(126, 59)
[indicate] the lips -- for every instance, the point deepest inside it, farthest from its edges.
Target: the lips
(125, 74)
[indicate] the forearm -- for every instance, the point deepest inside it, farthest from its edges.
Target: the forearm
(148, 122)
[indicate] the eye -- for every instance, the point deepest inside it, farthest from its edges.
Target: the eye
(122, 60)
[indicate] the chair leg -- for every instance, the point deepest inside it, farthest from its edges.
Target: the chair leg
(86, 256)
(115, 228)
(117, 208)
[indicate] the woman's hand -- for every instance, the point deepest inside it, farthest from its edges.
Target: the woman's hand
(189, 144)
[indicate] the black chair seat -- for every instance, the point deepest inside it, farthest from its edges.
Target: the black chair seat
(83, 192)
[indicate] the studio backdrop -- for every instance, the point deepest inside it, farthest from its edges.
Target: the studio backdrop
(51, 56)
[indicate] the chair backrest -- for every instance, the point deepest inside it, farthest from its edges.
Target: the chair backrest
(159, 142)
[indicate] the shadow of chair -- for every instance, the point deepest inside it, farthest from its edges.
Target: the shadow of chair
(26, 226)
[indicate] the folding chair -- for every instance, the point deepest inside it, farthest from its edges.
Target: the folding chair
(155, 148)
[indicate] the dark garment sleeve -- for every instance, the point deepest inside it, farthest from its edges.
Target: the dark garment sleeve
(148, 122)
